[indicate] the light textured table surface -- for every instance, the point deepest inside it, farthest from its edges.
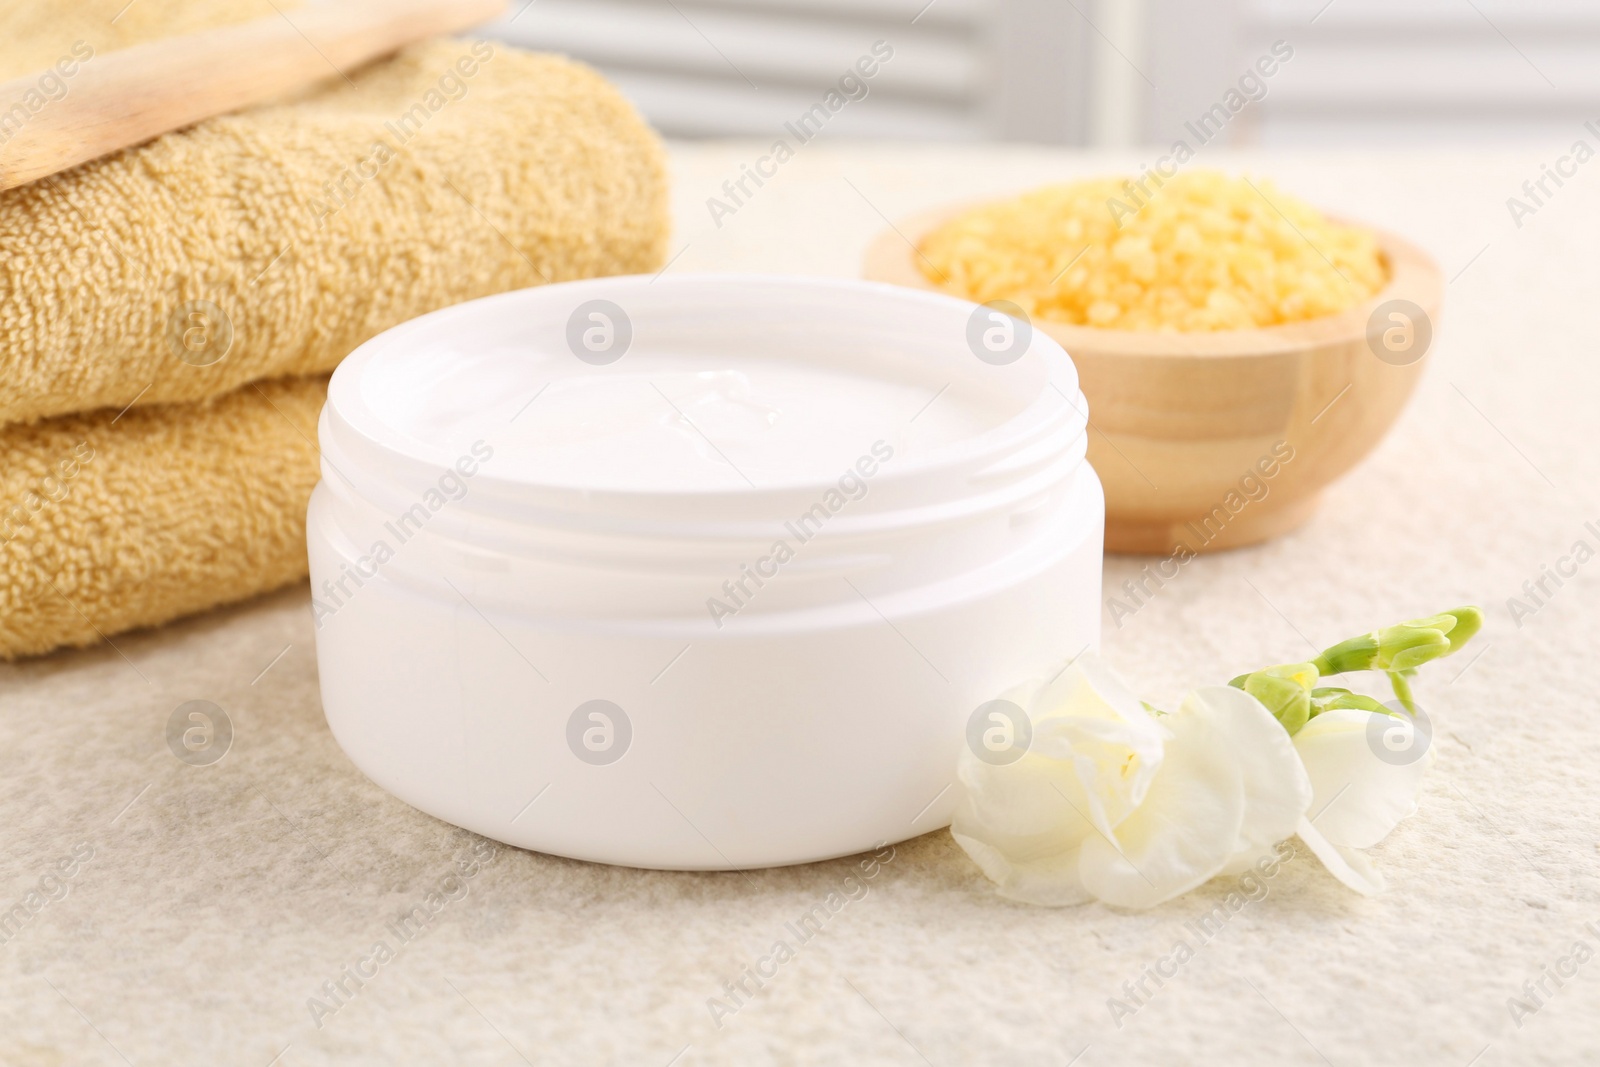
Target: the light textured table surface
(219, 899)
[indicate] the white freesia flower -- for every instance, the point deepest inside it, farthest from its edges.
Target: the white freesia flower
(1358, 795)
(1114, 803)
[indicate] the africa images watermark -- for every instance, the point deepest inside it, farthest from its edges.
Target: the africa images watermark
(1251, 888)
(1538, 591)
(1537, 992)
(49, 89)
(337, 992)
(1251, 88)
(341, 190)
(450, 486)
(52, 489)
(737, 992)
(1538, 191)
(853, 85)
(851, 486)
(52, 886)
(1254, 486)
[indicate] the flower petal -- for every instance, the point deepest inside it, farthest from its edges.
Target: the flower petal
(1022, 824)
(1035, 796)
(1249, 858)
(1113, 762)
(1090, 689)
(1184, 832)
(1359, 794)
(1050, 879)
(1087, 715)
(1276, 789)
(1349, 865)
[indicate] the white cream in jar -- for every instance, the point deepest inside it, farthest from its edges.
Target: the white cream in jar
(764, 422)
(699, 571)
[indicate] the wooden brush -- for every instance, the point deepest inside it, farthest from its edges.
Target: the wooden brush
(127, 97)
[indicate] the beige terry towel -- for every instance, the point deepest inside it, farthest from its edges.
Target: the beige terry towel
(286, 235)
(110, 522)
(265, 245)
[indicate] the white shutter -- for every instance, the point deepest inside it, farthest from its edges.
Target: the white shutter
(961, 70)
(1428, 71)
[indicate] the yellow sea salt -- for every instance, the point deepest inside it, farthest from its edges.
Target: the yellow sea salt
(1203, 252)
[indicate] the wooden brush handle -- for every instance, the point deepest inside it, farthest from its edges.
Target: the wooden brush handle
(127, 97)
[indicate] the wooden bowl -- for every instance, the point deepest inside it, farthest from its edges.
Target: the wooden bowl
(1216, 440)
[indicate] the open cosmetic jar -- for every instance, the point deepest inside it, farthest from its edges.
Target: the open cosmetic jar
(699, 571)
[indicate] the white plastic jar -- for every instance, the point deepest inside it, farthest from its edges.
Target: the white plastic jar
(695, 571)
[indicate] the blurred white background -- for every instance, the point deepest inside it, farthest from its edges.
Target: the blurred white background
(1109, 73)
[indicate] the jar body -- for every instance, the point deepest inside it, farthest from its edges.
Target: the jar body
(797, 736)
(606, 632)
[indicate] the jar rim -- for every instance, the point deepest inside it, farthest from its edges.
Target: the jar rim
(380, 461)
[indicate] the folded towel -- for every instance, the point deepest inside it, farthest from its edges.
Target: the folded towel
(267, 244)
(112, 520)
(33, 35)
(274, 241)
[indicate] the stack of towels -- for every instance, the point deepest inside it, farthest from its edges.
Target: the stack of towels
(169, 315)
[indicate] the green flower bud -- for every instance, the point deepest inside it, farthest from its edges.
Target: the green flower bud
(1327, 698)
(1404, 647)
(1356, 654)
(1411, 644)
(1469, 620)
(1398, 651)
(1284, 690)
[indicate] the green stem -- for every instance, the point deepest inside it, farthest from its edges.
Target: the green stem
(1402, 690)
